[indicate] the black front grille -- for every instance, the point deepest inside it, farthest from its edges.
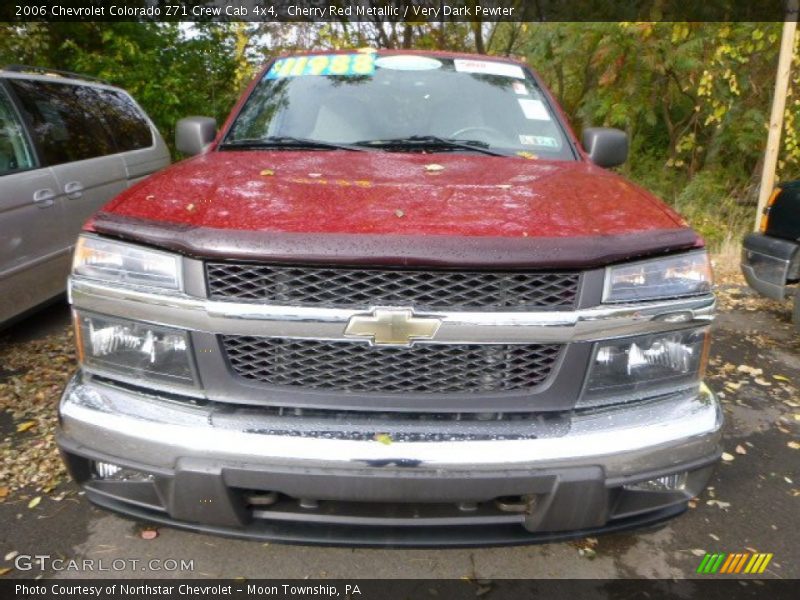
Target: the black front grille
(420, 369)
(365, 287)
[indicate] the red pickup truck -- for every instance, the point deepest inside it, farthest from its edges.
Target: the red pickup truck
(392, 301)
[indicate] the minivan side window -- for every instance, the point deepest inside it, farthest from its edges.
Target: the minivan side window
(126, 122)
(15, 152)
(63, 124)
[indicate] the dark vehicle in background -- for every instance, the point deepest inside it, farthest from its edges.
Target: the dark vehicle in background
(771, 257)
(67, 146)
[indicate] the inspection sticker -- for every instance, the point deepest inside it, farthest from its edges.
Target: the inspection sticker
(408, 62)
(534, 109)
(539, 140)
(488, 67)
(520, 88)
(349, 65)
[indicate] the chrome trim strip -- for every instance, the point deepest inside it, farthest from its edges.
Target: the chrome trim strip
(232, 318)
(624, 440)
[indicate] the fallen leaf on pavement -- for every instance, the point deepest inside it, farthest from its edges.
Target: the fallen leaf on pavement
(35, 502)
(4, 570)
(148, 534)
(753, 371)
(741, 449)
(794, 445)
(589, 553)
(727, 457)
(719, 503)
(11, 555)
(698, 552)
(25, 426)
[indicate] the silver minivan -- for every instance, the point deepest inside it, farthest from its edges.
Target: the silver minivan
(68, 145)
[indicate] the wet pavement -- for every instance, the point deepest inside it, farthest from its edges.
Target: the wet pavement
(752, 504)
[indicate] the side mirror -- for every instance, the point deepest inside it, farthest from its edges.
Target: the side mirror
(606, 147)
(193, 134)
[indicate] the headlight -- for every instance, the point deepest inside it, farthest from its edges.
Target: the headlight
(118, 262)
(671, 277)
(138, 351)
(631, 368)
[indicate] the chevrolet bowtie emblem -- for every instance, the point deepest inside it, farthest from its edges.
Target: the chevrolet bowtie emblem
(392, 327)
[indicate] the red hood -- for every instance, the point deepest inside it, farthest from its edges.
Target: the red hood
(390, 193)
(390, 208)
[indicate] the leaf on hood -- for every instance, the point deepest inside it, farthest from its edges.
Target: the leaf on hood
(434, 168)
(528, 155)
(267, 172)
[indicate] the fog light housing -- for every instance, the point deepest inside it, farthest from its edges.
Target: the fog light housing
(107, 471)
(135, 351)
(644, 366)
(675, 482)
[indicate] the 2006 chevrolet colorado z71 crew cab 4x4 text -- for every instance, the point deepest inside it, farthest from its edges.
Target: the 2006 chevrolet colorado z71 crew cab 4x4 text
(392, 301)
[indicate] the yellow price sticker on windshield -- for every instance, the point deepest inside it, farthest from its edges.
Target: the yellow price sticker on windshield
(347, 65)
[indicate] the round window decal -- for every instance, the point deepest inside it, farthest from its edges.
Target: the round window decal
(408, 62)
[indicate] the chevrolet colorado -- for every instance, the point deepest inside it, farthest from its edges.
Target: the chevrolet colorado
(392, 301)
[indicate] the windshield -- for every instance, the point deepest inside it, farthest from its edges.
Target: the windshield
(400, 103)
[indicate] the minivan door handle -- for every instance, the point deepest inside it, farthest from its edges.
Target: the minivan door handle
(73, 190)
(44, 198)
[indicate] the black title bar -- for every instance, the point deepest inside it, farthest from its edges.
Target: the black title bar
(415, 11)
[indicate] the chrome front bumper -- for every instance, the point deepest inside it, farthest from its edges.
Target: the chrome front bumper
(623, 441)
(202, 464)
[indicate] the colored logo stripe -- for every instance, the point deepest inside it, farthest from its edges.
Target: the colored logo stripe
(722, 562)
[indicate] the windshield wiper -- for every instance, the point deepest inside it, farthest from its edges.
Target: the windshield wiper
(432, 142)
(285, 141)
